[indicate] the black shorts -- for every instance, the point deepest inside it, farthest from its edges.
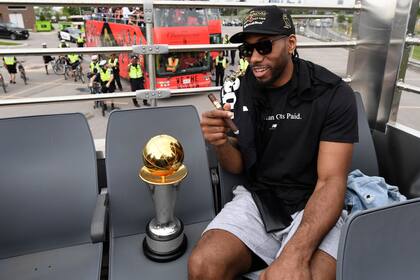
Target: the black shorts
(11, 68)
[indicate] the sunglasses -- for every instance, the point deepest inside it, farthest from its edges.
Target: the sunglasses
(263, 47)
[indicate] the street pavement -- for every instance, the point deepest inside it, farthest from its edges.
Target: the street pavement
(42, 85)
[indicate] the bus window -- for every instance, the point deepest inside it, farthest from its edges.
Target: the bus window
(182, 63)
(169, 17)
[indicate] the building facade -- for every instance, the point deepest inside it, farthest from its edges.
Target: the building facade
(21, 15)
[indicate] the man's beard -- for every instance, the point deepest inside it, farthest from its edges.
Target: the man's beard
(276, 73)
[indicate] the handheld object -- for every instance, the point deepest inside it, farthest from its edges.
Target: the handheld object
(218, 106)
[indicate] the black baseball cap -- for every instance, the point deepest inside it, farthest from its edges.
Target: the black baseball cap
(269, 20)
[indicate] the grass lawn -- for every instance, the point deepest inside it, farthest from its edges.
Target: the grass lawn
(416, 52)
(3, 43)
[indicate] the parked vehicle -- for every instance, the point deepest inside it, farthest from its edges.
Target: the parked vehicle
(69, 34)
(11, 31)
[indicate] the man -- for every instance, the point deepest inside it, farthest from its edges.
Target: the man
(220, 64)
(173, 63)
(105, 77)
(297, 124)
(80, 42)
(93, 70)
(243, 65)
(115, 65)
(136, 78)
(46, 58)
(74, 61)
(10, 63)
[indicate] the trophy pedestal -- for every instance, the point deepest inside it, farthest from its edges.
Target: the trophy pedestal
(164, 249)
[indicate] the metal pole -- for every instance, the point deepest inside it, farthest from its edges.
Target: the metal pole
(148, 17)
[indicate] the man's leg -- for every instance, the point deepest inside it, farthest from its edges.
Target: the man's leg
(219, 255)
(323, 266)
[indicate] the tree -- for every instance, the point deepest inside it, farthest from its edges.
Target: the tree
(71, 11)
(341, 18)
(44, 13)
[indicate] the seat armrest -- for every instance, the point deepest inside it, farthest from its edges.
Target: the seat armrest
(100, 218)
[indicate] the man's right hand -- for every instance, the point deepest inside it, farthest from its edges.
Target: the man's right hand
(214, 127)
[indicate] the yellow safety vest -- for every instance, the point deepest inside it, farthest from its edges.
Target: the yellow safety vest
(113, 64)
(9, 60)
(93, 66)
(223, 62)
(172, 64)
(73, 58)
(105, 75)
(243, 64)
(135, 72)
(80, 40)
(225, 40)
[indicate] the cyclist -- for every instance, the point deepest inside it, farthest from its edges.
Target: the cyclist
(46, 58)
(74, 61)
(114, 63)
(10, 64)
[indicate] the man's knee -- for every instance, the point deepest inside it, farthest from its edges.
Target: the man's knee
(201, 265)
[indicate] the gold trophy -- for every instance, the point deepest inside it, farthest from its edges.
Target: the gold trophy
(163, 170)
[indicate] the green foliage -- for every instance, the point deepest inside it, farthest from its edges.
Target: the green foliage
(71, 11)
(341, 18)
(44, 13)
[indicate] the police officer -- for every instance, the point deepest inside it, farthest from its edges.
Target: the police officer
(172, 64)
(46, 58)
(136, 78)
(93, 68)
(243, 64)
(74, 60)
(115, 65)
(10, 64)
(80, 42)
(105, 77)
(220, 64)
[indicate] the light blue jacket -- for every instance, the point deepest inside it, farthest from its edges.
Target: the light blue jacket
(364, 192)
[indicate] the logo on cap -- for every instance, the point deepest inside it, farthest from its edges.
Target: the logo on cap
(287, 23)
(255, 17)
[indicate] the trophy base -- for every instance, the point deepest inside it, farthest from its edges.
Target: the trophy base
(165, 257)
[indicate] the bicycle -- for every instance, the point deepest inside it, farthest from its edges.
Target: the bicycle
(96, 89)
(22, 72)
(58, 65)
(2, 83)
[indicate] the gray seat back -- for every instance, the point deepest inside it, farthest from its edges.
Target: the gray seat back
(364, 156)
(128, 131)
(382, 243)
(48, 183)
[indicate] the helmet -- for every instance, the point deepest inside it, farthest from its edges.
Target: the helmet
(44, 45)
(102, 63)
(94, 57)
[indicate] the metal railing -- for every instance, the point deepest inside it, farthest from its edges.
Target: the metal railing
(150, 49)
(195, 4)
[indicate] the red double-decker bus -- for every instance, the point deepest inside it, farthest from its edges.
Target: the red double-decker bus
(215, 28)
(172, 27)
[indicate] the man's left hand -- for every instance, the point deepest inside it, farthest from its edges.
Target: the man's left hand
(287, 267)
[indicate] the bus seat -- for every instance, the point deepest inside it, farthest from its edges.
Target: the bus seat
(48, 194)
(381, 243)
(364, 156)
(130, 203)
